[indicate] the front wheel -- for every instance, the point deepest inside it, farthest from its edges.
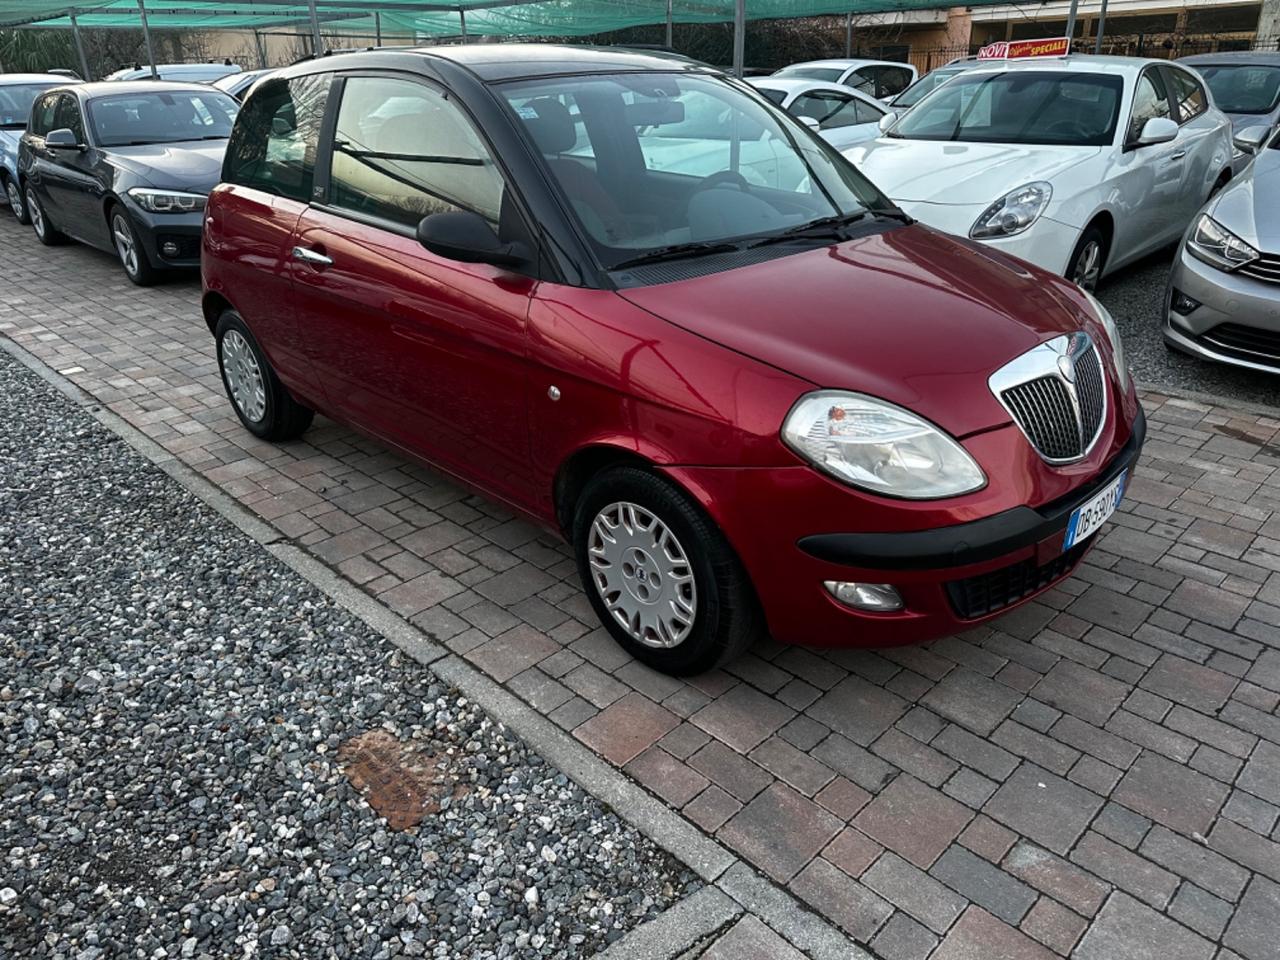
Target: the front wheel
(261, 401)
(45, 231)
(660, 575)
(1088, 259)
(129, 249)
(16, 204)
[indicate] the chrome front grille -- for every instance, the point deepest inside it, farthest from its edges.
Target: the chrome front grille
(1266, 267)
(1057, 395)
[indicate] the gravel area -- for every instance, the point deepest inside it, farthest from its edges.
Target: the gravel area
(1135, 297)
(173, 703)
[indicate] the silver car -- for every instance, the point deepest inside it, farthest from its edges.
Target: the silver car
(1224, 291)
(1246, 87)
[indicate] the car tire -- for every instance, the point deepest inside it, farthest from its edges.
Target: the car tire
(45, 231)
(17, 205)
(660, 575)
(133, 258)
(1088, 259)
(260, 400)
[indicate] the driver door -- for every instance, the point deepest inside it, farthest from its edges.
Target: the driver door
(1151, 183)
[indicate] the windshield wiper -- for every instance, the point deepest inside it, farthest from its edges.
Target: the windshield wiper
(677, 251)
(822, 228)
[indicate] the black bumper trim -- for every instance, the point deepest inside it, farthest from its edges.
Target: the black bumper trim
(975, 542)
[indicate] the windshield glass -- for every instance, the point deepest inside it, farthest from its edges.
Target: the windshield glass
(1243, 88)
(16, 100)
(926, 84)
(129, 119)
(655, 160)
(829, 74)
(1020, 106)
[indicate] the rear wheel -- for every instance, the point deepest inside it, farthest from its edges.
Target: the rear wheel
(45, 231)
(660, 575)
(1088, 259)
(260, 400)
(16, 203)
(129, 249)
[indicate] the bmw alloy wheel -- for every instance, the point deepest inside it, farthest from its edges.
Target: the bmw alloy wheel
(37, 214)
(126, 246)
(643, 575)
(244, 376)
(15, 198)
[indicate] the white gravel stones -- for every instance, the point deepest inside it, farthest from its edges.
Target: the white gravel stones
(171, 703)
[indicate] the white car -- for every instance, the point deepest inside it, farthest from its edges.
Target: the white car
(881, 79)
(1079, 164)
(842, 116)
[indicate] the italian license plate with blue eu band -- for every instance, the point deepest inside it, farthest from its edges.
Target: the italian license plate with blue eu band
(1088, 517)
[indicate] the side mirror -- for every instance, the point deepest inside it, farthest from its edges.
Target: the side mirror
(888, 120)
(62, 139)
(1251, 139)
(1157, 130)
(810, 122)
(468, 237)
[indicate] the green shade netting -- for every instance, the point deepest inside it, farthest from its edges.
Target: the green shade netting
(431, 17)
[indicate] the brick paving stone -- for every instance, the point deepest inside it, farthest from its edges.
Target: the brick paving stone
(982, 755)
(1246, 848)
(992, 889)
(594, 685)
(914, 891)
(853, 907)
(1220, 735)
(711, 809)
(1046, 808)
(971, 700)
(1094, 775)
(903, 939)
(1261, 775)
(858, 710)
(684, 741)
(852, 851)
(980, 936)
(1152, 736)
(1130, 930)
(1036, 747)
(1265, 671)
(750, 939)
(1054, 925)
(914, 820)
(1253, 930)
(1095, 742)
(743, 718)
(1196, 862)
(1125, 869)
(1079, 691)
(843, 797)
(1051, 874)
(1190, 684)
(626, 728)
(987, 838)
(1121, 825)
(1248, 811)
(970, 788)
(1201, 911)
(1172, 794)
(804, 733)
(792, 766)
(857, 764)
(780, 831)
(909, 754)
(1109, 609)
(1213, 605)
(512, 652)
(730, 770)
(666, 776)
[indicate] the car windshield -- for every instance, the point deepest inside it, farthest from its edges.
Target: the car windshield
(16, 100)
(655, 163)
(1019, 106)
(1243, 88)
(161, 117)
(829, 74)
(926, 84)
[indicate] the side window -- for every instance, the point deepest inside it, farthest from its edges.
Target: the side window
(274, 141)
(867, 113)
(893, 80)
(1149, 101)
(1188, 93)
(42, 114)
(864, 79)
(67, 115)
(402, 151)
(830, 109)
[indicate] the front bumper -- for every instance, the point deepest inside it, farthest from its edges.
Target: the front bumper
(156, 231)
(951, 575)
(1237, 320)
(1046, 243)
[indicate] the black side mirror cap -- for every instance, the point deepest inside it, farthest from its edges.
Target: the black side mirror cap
(468, 237)
(62, 139)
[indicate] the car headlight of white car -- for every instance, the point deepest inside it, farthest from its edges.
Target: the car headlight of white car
(1217, 246)
(1113, 335)
(1014, 212)
(879, 446)
(167, 201)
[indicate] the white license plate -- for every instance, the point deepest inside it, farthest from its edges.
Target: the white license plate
(1088, 517)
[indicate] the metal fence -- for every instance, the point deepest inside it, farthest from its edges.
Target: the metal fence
(1160, 45)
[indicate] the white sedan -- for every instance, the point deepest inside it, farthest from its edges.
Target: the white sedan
(841, 116)
(1078, 164)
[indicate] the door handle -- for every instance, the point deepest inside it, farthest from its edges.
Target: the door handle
(1179, 155)
(310, 256)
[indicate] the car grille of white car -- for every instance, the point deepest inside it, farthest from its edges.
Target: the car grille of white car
(1266, 267)
(1061, 427)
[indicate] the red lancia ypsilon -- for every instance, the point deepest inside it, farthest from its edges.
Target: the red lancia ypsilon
(631, 299)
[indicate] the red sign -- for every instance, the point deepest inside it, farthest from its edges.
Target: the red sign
(1022, 49)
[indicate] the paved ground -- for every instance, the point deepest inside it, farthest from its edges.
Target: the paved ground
(1097, 777)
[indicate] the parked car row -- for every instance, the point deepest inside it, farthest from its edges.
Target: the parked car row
(638, 303)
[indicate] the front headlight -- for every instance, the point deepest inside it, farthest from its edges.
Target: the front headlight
(878, 446)
(1113, 334)
(1217, 246)
(167, 201)
(1014, 212)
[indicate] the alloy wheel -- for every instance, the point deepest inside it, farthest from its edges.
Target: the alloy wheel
(125, 244)
(1088, 266)
(37, 214)
(15, 198)
(642, 574)
(244, 376)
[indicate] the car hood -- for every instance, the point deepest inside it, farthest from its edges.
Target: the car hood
(942, 171)
(191, 164)
(1247, 207)
(1243, 121)
(907, 314)
(9, 140)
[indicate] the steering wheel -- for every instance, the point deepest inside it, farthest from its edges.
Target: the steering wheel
(1071, 128)
(725, 176)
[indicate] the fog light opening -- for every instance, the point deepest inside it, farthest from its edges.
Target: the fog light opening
(169, 249)
(1179, 302)
(876, 597)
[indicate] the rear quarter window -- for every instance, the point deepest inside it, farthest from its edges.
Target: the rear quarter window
(276, 136)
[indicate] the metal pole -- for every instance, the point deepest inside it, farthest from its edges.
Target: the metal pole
(739, 36)
(317, 44)
(146, 35)
(1071, 23)
(848, 34)
(84, 62)
(669, 44)
(377, 28)
(462, 21)
(260, 45)
(1102, 26)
